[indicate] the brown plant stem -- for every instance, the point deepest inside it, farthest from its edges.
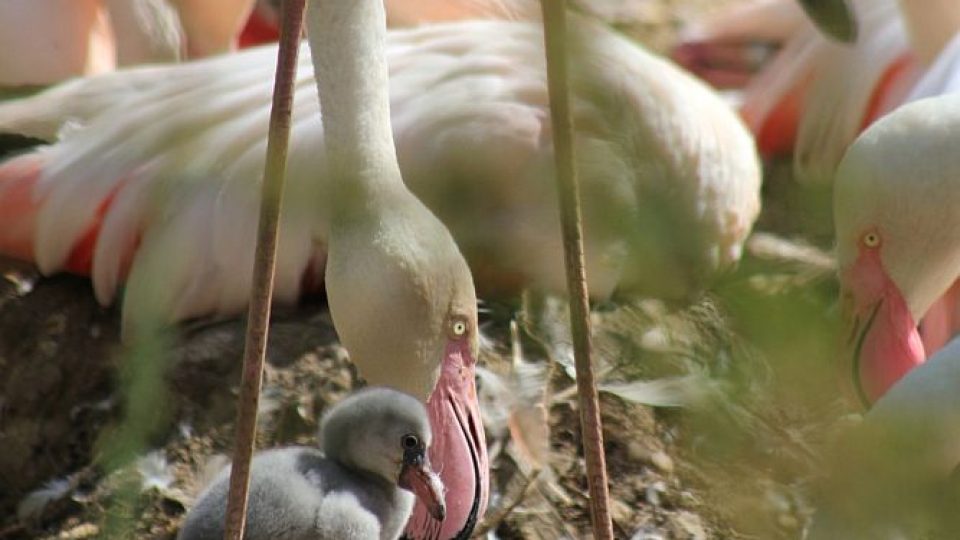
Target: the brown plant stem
(258, 316)
(555, 38)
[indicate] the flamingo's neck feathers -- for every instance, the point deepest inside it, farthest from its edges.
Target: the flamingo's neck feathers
(347, 43)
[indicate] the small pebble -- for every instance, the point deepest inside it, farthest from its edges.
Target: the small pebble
(84, 530)
(637, 451)
(655, 339)
(662, 461)
(620, 511)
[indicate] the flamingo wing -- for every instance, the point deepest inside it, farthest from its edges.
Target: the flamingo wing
(153, 173)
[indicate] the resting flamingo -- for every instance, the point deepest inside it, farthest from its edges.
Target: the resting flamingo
(671, 179)
(897, 192)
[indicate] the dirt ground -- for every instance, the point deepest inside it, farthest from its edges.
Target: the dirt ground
(736, 460)
(723, 470)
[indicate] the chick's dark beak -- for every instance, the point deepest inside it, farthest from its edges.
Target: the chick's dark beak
(417, 476)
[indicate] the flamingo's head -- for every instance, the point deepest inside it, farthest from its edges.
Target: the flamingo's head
(384, 432)
(404, 305)
(897, 218)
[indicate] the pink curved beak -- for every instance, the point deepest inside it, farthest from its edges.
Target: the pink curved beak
(458, 451)
(884, 341)
(885, 345)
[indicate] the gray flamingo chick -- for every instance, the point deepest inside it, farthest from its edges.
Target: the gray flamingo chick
(361, 486)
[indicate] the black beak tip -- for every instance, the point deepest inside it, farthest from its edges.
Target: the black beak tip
(835, 18)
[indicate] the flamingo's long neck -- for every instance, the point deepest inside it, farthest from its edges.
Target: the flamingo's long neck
(347, 42)
(931, 24)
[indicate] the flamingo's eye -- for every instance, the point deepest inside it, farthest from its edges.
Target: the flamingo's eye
(871, 239)
(457, 326)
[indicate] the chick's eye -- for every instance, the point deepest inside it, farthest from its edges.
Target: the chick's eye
(871, 239)
(410, 442)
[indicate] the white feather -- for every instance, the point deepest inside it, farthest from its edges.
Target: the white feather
(845, 79)
(33, 504)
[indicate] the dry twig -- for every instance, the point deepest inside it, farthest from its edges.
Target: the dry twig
(264, 263)
(555, 23)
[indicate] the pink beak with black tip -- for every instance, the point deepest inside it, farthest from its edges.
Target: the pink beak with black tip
(458, 450)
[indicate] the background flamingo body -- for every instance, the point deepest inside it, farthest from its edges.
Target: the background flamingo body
(815, 95)
(670, 174)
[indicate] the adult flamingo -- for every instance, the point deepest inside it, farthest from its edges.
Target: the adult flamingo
(898, 234)
(43, 42)
(127, 194)
(400, 293)
(670, 175)
(898, 246)
(262, 27)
